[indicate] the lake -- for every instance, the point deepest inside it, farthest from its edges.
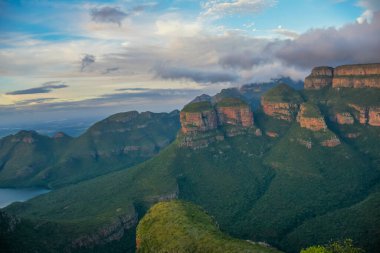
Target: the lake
(8, 195)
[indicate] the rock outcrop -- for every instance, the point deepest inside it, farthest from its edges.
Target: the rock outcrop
(309, 117)
(319, 78)
(204, 116)
(344, 118)
(198, 121)
(332, 142)
(234, 112)
(284, 111)
(203, 122)
(281, 102)
(347, 76)
(108, 233)
(367, 115)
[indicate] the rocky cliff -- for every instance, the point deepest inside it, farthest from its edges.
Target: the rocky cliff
(203, 122)
(232, 111)
(198, 117)
(282, 102)
(367, 115)
(310, 117)
(347, 76)
(320, 77)
(284, 111)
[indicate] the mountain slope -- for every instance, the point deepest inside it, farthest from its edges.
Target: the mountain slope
(306, 178)
(122, 140)
(187, 229)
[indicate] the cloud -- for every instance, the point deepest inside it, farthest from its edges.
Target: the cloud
(87, 60)
(44, 88)
(353, 43)
(108, 15)
(35, 101)
(245, 59)
(110, 70)
(285, 32)
(370, 6)
(219, 8)
(196, 75)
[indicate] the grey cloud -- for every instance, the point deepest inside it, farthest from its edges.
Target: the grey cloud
(243, 60)
(34, 101)
(44, 88)
(196, 75)
(108, 15)
(110, 70)
(87, 60)
(133, 89)
(353, 43)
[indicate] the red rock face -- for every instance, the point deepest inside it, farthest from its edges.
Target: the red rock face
(320, 77)
(367, 115)
(198, 121)
(349, 76)
(272, 134)
(284, 111)
(361, 114)
(312, 123)
(344, 118)
(238, 116)
(333, 142)
(374, 116)
(356, 82)
(358, 70)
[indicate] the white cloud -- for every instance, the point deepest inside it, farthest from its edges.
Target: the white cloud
(370, 6)
(177, 28)
(218, 8)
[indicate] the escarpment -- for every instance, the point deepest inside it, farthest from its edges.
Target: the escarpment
(282, 102)
(347, 76)
(203, 122)
(367, 115)
(198, 117)
(310, 117)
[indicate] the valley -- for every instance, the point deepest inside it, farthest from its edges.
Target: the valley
(301, 169)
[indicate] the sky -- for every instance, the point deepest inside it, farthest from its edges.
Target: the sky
(68, 59)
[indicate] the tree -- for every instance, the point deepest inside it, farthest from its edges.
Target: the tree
(345, 246)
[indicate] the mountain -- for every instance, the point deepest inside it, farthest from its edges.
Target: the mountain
(302, 170)
(29, 159)
(176, 218)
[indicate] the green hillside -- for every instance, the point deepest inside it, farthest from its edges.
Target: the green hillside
(283, 93)
(122, 140)
(258, 188)
(187, 229)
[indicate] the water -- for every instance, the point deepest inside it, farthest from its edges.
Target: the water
(8, 196)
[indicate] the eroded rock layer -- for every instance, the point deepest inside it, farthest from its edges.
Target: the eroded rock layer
(347, 76)
(284, 111)
(309, 117)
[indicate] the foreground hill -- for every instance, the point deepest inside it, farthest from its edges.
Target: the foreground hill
(122, 140)
(187, 229)
(304, 170)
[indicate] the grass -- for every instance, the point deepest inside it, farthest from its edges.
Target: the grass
(187, 228)
(198, 107)
(311, 110)
(231, 102)
(283, 93)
